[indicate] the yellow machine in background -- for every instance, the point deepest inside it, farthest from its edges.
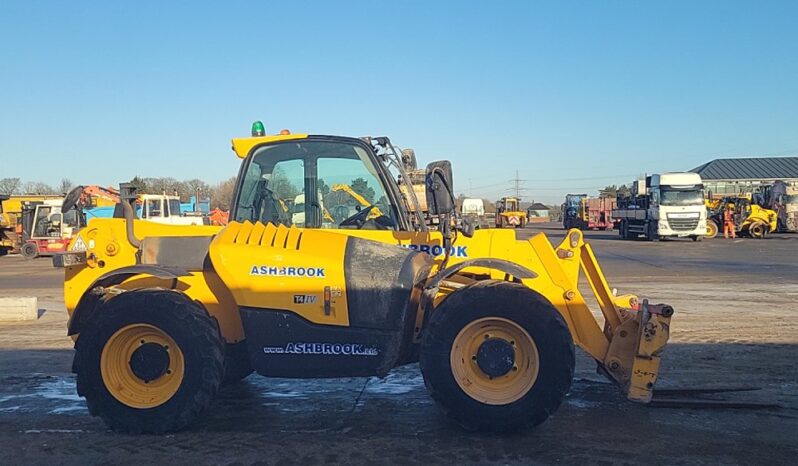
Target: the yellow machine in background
(749, 219)
(8, 235)
(163, 314)
(509, 213)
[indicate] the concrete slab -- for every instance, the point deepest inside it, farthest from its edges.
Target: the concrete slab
(19, 309)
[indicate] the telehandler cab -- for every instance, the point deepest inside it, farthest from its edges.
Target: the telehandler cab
(162, 315)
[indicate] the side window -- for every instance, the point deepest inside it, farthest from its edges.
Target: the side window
(153, 208)
(174, 207)
(41, 223)
(285, 194)
(655, 196)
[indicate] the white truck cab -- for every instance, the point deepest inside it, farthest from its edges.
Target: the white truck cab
(666, 205)
(162, 208)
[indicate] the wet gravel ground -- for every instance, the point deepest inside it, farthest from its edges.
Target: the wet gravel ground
(736, 324)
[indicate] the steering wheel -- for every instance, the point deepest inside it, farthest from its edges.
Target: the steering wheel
(359, 219)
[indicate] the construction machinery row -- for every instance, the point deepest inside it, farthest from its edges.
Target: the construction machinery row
(43, 225)
(162, 315)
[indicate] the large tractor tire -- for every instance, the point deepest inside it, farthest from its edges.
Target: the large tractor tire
(497, 356)
(149, 362)
(29, 251)
(712, 229)
(757, 230)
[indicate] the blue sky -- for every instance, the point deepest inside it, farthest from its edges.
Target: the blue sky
(572, 95)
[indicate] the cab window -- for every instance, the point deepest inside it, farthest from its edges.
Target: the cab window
(174, 207)
(314, 184)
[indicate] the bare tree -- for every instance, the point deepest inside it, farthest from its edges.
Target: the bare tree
(9, 185)
(66, 185)
(222, 194)
(192, 186)
(35, 187)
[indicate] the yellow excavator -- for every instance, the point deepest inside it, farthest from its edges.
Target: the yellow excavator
(162, 315)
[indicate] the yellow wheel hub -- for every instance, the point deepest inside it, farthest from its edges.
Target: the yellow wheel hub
(712, 229)
(494, 360)
(142, 366)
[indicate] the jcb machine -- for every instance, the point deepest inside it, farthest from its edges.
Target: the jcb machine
(162, 315)
(509, 213)
(750, 219)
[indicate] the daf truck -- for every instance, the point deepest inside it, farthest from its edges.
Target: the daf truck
(666, 205)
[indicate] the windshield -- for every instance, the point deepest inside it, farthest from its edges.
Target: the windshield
(675, 197)
(573, 201)
(314, 184)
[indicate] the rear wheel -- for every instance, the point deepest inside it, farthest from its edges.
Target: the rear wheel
(150, 361)
(29, 251)
(497, 356)
(757, 230)
(712, 229)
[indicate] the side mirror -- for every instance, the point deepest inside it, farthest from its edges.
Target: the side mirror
(440, 192)
(467, 227)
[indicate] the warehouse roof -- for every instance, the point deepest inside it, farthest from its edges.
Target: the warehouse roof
(760, 168)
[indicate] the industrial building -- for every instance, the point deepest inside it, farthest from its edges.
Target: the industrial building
(744, 175)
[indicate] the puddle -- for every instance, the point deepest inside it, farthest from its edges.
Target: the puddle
(54, 395)
(396, 383)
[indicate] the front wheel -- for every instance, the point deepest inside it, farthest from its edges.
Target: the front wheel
(757, 230)
(712, 229)
(29, 251)
(149, 362)
(497, 356)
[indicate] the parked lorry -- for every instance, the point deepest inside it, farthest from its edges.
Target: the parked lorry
(667, 205)
(588, 213)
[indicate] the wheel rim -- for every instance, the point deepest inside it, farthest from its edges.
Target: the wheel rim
(757, 230)
(494, 360)
(712, 229)
(142, 366)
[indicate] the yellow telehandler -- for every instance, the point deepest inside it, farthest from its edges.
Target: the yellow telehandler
(162, 315)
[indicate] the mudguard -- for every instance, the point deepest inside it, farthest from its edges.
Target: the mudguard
(88, 302)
